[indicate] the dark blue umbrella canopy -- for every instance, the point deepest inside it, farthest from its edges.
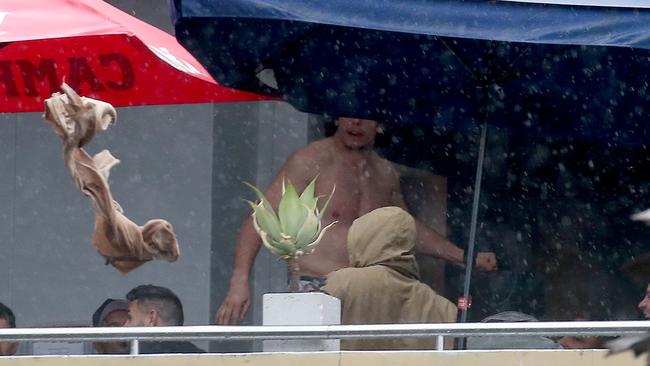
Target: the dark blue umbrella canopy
(538, 69)
(563, 88)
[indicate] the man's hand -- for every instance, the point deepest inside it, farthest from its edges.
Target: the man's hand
(235, 306)
(486, 261)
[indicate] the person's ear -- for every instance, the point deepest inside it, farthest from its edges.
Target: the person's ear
(152, 319)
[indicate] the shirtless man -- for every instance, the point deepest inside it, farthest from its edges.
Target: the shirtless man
(364, 181)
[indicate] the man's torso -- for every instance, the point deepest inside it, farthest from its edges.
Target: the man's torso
(363, 183)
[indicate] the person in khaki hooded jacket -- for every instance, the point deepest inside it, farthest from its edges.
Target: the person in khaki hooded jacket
(383, 284)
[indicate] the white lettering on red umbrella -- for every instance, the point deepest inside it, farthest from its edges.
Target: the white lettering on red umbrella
(3, 15)
(176, 62)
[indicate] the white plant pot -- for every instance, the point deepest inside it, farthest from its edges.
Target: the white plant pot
(301, 308)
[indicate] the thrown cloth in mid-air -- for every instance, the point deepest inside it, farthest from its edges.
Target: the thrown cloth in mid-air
(383, 286)
(121, 242)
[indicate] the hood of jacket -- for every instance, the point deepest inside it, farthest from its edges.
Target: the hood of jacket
(385, 236)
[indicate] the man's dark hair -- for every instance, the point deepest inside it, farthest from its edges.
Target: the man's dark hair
(8, 315)
(161, 299)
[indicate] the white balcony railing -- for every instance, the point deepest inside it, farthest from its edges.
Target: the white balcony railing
(223, 333)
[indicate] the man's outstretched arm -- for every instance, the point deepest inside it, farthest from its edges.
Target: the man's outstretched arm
(430, 242)
(237, 301)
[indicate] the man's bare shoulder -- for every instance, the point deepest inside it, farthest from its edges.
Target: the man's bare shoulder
(417, 173)
(318, 152)
(307, 162)
(387, 167)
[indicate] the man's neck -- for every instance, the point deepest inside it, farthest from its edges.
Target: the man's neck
(364, 152)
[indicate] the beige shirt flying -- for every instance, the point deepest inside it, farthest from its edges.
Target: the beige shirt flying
(122, 243)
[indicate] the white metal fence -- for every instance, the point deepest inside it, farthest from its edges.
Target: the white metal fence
(226, 333)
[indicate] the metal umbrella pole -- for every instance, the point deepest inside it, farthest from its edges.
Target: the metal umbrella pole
(465, 301)
(489, 91)
(469, 253)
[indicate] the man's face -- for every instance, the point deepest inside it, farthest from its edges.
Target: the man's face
(115, 318)
(644, 305)
(356, 133)
(6, 348)
(138, 316)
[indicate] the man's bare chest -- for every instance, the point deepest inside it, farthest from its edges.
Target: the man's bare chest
(358, 190)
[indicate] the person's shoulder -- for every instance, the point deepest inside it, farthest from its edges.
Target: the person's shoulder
(384, 162)
(386, 167)
(316, 153)
(351, 278)
(320, 148)
(340, 274)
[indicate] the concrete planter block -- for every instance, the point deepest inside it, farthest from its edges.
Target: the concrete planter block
(307, 308)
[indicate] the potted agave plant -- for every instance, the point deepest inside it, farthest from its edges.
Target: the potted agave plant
(295, 230)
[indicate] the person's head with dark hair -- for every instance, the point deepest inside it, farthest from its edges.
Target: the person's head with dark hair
(153, 306)
(644, 305)
(7, 320)
(111, 313)
(638, 270)
(8, 316)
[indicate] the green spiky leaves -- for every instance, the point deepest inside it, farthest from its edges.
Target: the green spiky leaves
(296, 228)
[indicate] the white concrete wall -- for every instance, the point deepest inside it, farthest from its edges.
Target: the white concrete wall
(397, 358)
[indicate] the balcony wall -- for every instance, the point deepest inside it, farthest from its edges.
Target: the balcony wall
(494, 358)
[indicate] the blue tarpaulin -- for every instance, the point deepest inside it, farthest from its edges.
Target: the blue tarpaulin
(563, 75)
(488, 20)
(539, 69)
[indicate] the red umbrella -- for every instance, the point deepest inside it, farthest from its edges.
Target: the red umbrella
(101, 52)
